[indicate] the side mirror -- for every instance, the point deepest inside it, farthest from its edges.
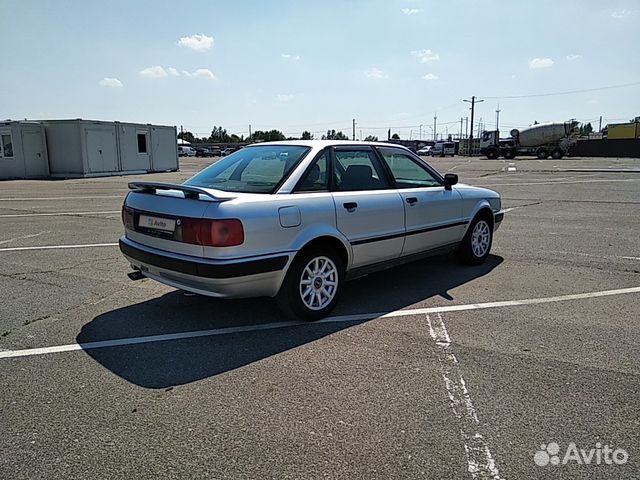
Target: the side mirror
(449, 180)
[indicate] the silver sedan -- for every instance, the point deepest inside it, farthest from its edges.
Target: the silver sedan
(295, 220)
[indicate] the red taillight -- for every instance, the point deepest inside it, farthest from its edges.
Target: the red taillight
(213, 233)
(127, 217)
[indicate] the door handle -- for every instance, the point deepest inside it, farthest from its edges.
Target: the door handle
(412, 200)
(350, 206)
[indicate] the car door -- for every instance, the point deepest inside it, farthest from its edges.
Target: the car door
(433, 213)
(369, 212)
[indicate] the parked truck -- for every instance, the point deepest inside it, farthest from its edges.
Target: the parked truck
(542, 140)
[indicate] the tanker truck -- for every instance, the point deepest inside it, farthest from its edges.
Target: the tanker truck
(542, 140)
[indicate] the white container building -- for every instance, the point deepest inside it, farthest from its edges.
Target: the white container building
(23, 151)
(88, 148)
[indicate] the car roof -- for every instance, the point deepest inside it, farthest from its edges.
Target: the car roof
(327, 143)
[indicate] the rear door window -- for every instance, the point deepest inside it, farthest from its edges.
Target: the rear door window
(358, 169)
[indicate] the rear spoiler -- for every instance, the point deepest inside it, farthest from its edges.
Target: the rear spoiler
(189, 191)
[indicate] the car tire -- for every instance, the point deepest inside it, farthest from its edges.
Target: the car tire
(312, 285)
(557, 154)
(492, 153)
(509, 154)
(476, 244)
(542, 153)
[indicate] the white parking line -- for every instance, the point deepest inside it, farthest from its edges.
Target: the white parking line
(337, 319)
(558, 183)
(55, 214)
(26, 199)
(57, 247)
(479, 458)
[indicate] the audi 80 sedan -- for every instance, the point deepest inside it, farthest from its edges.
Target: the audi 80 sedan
(294, 220)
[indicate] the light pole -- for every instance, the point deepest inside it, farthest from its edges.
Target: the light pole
(473, 102)
(435, 127)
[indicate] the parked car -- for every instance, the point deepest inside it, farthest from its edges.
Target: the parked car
(441, 149)
(229, 151)
(186, 151)
(425, 150)
(203, 152)
(295, 220)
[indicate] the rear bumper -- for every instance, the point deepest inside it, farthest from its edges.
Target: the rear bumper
(261, 276)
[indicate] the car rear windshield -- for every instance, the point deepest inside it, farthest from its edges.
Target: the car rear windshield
(258, 169)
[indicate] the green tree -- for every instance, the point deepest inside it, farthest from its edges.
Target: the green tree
(586, 129)
(219, 135)
(268, 136)
(340, 136)
(187, 136)
(307, 135)
(330, 135)
(395, 136)
(370, 138)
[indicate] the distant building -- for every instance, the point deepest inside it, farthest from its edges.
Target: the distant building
(84, 148)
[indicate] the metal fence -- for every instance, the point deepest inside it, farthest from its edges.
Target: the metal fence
(623, 147)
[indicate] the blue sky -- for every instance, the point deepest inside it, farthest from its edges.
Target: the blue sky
(316, 65)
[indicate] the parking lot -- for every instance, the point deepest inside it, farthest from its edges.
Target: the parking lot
(430, 370)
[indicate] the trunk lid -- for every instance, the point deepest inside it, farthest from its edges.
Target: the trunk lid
(159, 210)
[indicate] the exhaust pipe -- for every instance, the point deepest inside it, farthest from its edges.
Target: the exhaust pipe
(135, 275)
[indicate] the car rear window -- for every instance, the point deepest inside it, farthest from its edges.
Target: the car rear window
(257, 169)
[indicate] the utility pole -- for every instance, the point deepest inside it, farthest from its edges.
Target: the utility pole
(354, 129)
(466, 127)
(473, 102)
(600, 125)
(461, 120)
(498, 118)
(389, 134)
(361, 137)
(420, 131)
(249, 132)
(435, 123)
(181, 132)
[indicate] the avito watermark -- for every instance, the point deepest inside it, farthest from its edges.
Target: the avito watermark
(550, 454)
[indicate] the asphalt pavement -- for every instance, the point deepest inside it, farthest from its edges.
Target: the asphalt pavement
(430, 370)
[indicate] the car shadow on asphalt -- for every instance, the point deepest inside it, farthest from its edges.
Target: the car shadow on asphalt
(163, 364)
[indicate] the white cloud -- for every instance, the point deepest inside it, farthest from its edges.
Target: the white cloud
(290, 56)
(173, 71)
(153, 72)
(540, 63)
(624, 13)
(411, 11)
(204, 73)
(284, 97)
(572, 57)
(198, 42)
(200, 73)
(430, 76)
(110, 82)
(375, 73)
(425, 55)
